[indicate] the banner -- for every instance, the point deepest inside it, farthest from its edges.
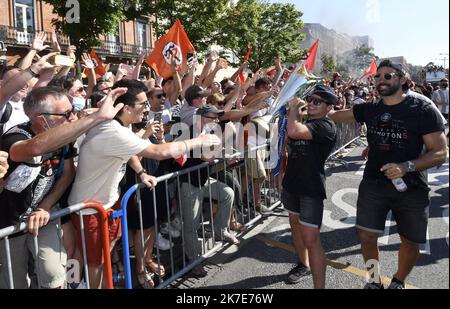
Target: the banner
(372, 70)
(174, 44)
(311, 61)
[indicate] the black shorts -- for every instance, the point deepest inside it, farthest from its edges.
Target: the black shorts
(309, 209)
(410, 209)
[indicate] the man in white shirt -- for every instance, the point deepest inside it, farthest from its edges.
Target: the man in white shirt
(102, 163)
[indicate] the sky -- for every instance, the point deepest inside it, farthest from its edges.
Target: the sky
(415, 29)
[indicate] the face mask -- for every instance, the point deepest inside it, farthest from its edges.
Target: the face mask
(78, 103)
(46, 123)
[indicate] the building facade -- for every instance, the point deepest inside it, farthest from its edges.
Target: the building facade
(331, 43)
(21, 19)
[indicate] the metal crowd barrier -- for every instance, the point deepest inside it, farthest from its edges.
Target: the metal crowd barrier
(107, 270)
(347, 133)
(247, 214)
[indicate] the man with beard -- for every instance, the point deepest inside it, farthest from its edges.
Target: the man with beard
(406, 137)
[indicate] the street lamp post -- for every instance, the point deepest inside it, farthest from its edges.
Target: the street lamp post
(444, 59)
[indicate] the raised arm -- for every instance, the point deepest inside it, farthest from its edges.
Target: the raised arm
(138, 67)
(221, 64)
(55, 138)
(295, 127)
(88, 64)
(345, 115)
(190, 77)
(177, 87)
(36, 47)
(206, 70)
(14, 84)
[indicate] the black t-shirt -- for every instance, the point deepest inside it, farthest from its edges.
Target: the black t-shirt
(28, 183)
(305, 173)
(395, 134)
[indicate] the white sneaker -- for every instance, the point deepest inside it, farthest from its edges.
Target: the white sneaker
(167, 229)
(162, 243)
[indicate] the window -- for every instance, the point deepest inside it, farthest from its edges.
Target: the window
(114, 41)
(24, 15)
(142, 34)
(115, 38)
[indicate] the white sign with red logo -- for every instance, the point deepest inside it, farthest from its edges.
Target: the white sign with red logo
(172, 49)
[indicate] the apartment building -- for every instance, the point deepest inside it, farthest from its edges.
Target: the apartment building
(21, 19)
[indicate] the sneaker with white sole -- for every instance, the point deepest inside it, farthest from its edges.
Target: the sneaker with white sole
(163, 244)
(167, 229)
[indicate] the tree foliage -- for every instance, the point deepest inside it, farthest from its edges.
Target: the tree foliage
(357, 60)
(273, 30)
(200, 18)
(328, 65)
(97, 18)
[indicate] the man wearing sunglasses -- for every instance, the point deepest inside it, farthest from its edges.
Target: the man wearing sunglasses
(311, 140)
(33, 187)
(406, 137)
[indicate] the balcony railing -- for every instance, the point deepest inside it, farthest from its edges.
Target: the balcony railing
(120, 49)
(12, 36)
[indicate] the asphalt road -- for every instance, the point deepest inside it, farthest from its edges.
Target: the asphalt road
(266, 254)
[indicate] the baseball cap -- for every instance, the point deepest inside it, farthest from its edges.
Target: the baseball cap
(326, 93)
(195, 92)
(391, 64)
(210, 111)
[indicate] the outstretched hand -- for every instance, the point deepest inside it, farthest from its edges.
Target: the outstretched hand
(39, 42)
(107, 110)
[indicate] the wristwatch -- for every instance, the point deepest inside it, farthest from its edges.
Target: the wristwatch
(142, 172)
(34, 74)
(411, 167)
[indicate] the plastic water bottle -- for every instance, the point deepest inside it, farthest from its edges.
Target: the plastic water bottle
(400, 185)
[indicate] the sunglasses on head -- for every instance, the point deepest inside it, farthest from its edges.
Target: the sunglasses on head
(387, 76)
(67, 114)
(314, 101)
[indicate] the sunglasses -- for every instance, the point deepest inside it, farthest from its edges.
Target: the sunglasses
(146, 104)
(67, 114)
(161, 95)
(315, 101)
(387, 76)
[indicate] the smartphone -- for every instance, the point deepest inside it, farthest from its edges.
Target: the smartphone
(158, 117)
(64, 61)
